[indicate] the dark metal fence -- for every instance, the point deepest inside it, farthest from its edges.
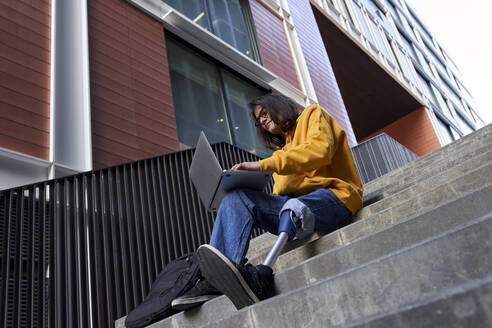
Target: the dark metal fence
(380, 155)
(83, 250)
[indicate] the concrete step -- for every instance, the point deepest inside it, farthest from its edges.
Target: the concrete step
(415, 198)
(424, 185)
(354, 253)
(384, 285)
(411, 176)
(457, 149)
(465, 305)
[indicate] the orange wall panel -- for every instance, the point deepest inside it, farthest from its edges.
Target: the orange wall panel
(25, 42)
(414, 131)
(131, 99)
(273, 44)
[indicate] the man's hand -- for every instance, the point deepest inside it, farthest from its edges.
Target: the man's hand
(247, 166)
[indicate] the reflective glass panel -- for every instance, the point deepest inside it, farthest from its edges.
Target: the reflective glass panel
(193, 9)
(360, 16)
(224, 18)
(198, 103)
(445, 131)
(465, 127)
(238, 95)
(229, 24)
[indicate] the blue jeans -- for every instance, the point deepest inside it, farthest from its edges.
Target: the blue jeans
(244, 209)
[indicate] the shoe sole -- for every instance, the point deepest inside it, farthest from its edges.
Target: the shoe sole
(191, 302)
(223, 275)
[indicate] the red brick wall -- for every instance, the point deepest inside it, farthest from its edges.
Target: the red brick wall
(273, 44)
(319, 66)
(132, 108)
(25, 42)
(413, 131)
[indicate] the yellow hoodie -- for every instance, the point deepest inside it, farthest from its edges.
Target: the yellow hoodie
(316, 155)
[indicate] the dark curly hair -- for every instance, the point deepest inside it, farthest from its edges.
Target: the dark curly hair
(280, 108)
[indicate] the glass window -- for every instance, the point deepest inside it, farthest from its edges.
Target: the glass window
(435, 60)
(445, 131)
(465, 127)
(238, 95)
(427, 89)
(224, 18)
(377, 34)
(378, 13)
(193, 9)
(372, 7)
(209, 98)
(403, 63)
(360, 16)
(403, 19)
(464, 91)
(408, 46)
(423, 62)
(476, 118)
(454, 97)
(392, 10)
(455, 134)
(440, 101)
(197, 98)
(423, 32)
(450, 62)
(346, 11)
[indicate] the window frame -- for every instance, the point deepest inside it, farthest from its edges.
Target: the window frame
(249, 25)
(219, 67)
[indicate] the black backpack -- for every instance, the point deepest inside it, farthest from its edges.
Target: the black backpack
(174, 280)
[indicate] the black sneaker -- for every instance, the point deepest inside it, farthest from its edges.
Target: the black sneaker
(243, 284)
(196, 296)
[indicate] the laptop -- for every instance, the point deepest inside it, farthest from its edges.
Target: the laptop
(213, 183)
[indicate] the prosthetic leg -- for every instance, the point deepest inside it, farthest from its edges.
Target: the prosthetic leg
(288, 226)
(276, 249)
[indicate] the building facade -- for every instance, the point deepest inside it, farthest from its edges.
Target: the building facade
(91, 84)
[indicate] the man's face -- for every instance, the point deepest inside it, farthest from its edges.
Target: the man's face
(264, 119)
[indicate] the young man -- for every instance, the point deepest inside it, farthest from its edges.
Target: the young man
(316, 187)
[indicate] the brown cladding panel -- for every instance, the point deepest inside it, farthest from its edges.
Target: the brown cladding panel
(413, 131)
(319, 66)
(273, 44)
(25, 76)
(132, 107)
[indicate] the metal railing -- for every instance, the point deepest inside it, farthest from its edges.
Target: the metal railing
(380, 155)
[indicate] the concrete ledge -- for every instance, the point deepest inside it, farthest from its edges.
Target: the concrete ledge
(466, 305)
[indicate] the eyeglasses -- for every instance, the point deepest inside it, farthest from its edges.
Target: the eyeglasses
(263, 114)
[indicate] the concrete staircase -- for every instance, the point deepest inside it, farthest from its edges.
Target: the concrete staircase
(419, 254)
